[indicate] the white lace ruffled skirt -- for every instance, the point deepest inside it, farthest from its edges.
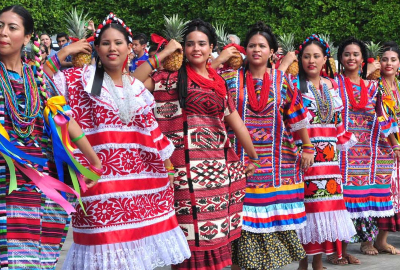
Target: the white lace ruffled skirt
(148, 253)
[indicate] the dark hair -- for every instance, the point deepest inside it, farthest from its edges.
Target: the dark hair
(24, 14)
(46, 49)
(264, 30)
(302, 73)
(209, 31)
(99, 74)
(364, 52)
(153, 48)
(61, 35)
(391, 46)
(141, 37)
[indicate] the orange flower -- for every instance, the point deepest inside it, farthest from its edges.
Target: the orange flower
(331, 186)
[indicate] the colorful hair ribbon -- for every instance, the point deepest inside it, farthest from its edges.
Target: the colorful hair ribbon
(15, 158)
(56, 124)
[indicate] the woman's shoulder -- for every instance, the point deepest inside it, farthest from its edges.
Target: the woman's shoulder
(164, 75)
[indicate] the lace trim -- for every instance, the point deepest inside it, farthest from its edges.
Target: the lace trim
(127, 194)
(142, 175)
(322, 199)
(124, 226)
(290, 227)
(301, 124)
(61, 83)
(377, 214)
(166, 153)
(349, 144)
(146, 254)
(316, 177)
(327, 226)
(126, 146)
(392, 130)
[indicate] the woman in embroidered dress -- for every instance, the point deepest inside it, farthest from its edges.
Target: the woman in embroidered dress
(328, 222)
(389, 86)
(130, 221)
(33, 227)
(271, 108)
(192, 105)
(367, 166)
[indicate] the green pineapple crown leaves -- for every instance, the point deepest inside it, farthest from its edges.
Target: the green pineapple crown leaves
(222, 36)
(327, 39)
(174, 28)
(286, 41)
(76, 24)
(374, 49)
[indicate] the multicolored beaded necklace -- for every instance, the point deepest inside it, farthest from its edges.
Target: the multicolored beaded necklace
(394, 94)
(350, 93)
(324, 102)
(23, 121)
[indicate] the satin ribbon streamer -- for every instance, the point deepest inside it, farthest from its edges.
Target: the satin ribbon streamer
(56, 124)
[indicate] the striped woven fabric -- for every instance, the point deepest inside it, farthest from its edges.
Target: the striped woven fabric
(274, 194)
(367, 167)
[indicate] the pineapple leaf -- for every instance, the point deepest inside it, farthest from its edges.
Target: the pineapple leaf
(174, 28)
(374, 49)
(76, 24)
(286, 41)
(222, 36)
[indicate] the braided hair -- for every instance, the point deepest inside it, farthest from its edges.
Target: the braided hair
(364, 52)
(209, 31)
(324, 46)
(264, 30)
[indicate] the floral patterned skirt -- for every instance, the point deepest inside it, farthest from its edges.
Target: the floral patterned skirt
(266, 250)
(367, 229)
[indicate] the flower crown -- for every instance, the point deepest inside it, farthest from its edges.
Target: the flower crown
(111, 18)
(317, 38)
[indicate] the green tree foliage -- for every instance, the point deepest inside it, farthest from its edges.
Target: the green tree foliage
(370, 20)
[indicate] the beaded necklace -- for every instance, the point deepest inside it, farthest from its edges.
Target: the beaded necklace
(350, 93)
(324, 102)
(23, 121)
(255, 104)
(394, 94)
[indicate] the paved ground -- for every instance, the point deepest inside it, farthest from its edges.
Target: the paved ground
(380, 262)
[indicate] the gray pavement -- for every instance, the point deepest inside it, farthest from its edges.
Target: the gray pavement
(379, 262)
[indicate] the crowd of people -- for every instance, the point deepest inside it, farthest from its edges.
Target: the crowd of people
(199, 168)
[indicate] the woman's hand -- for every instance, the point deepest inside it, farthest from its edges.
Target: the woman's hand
(372, 67)
(307, 160)
(227, 53)
(171, 47)
(250, 169)
(397, 154)
(287, 60)
(80, 46)
(171, 180)
(89, 183)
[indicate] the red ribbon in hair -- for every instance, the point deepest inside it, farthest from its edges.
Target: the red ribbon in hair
(74, 39)
(158, 40)
(238, 47)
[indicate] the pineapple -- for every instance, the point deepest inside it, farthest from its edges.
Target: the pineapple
(334, 51)
(374, 49)
(286, 41)
(76, 28)
(234, 62)
(174, 29)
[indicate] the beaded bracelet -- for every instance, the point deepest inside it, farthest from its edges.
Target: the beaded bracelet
(171, 173)
(308, 151)
(96, 170)
(51, 66)
(148, 61)
(308, 144)
(395, 147)
(170, 168)
(157, 61)
(56, 61)
(78, 138)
